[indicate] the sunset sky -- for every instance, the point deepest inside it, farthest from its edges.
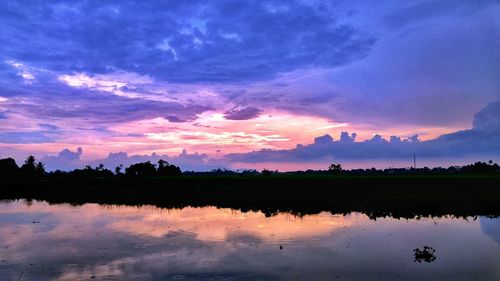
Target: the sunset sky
(250, 84)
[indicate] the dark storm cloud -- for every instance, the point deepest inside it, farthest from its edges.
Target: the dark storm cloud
(177, 40)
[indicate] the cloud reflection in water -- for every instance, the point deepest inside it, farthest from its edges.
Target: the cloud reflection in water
(63, 242)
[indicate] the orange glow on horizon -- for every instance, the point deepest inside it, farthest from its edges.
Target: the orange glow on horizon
(211, 134)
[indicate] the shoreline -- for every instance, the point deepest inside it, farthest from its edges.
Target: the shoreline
(375, 196)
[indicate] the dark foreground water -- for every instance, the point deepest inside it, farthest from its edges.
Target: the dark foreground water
(39, 241)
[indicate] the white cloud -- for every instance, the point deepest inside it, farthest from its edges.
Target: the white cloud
(165, 46)
(22, 70)
(114, 83)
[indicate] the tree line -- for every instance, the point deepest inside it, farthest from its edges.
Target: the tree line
(32, 169)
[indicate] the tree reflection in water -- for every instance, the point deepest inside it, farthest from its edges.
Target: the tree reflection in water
(424, 255)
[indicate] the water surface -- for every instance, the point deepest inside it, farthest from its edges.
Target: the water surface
(39, 241)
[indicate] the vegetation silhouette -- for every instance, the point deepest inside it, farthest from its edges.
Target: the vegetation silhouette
(471, 190)
(335, 168)
(29, 170)
(145, 169)
(8, 168)
(165, 169)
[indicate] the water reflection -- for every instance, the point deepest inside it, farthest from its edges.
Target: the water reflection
(491, 228)
(93, 242)
(426, 254)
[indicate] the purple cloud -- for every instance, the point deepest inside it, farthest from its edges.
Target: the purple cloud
(242, 113)
(174, 119)
(419, 65)
(68, 160)
(482, 139)
(192, 41)
(64, 160)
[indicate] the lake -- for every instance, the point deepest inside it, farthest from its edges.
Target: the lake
(39, 241)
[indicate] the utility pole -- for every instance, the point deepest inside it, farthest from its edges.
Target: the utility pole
(414, 161)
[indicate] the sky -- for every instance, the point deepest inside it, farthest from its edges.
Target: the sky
(250, 84)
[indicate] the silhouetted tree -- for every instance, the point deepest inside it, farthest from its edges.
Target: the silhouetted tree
(481, 168)
(249, 172)
(165, 169)
(162, 164)
(118, 169)
(145, 169)
(335, 168)
(266, 172)
(102, 172)
(8, 168)
(40, 169)
(28, 169)
(32, 170)
(100, 167)
(89, 172)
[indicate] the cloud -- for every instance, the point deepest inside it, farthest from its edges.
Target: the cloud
(482, 139)
(425, 10)
(488, 119)
(100, 107)
(64, 160)
(67, 160)
(300, 57)
(174, 119)
(185, 160)
(48, 127)
(242, 113)
(194, 41)
(27, 137)
(12, 134)
(22, 71)
(98, 64)
(326, 139)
